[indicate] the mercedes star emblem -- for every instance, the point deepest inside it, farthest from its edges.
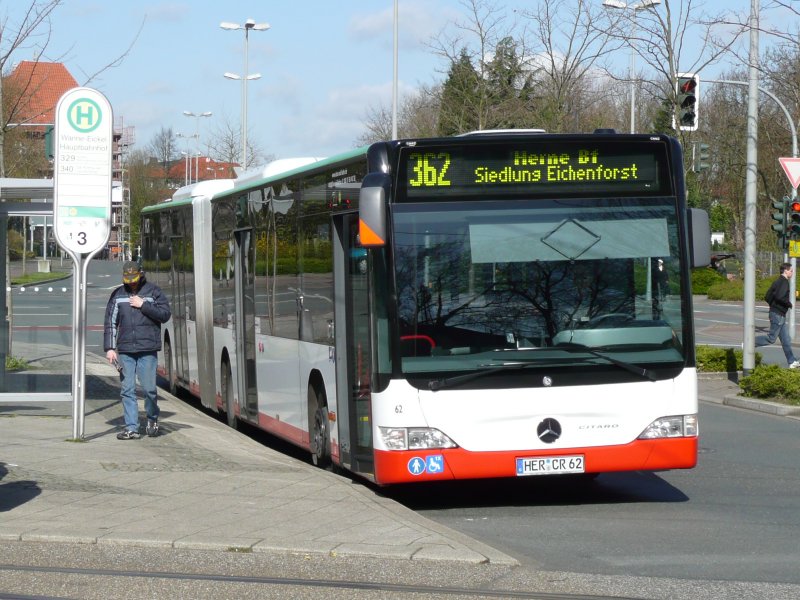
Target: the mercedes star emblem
(549, 430)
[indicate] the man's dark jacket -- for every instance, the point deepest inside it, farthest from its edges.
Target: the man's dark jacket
(129, 329)
(777, 296)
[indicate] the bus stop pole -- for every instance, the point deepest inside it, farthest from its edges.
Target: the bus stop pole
(80, 276)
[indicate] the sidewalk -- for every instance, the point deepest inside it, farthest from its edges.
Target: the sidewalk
(722, 388)
(203, 485)
(198, 485)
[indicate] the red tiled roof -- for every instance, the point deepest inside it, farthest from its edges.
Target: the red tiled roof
(40, 84)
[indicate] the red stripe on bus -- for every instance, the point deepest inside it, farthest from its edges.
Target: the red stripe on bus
(640, 455)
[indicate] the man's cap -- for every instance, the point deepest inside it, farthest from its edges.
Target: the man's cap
(131, 272)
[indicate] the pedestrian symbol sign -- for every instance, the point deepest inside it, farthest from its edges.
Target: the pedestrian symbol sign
(416, 466)
(82, 171)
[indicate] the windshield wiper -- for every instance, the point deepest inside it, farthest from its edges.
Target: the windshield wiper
(636, 370)
(438, 384)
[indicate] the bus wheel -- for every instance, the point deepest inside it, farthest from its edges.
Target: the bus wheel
(227, 395)
(320, 437)
(172, 386)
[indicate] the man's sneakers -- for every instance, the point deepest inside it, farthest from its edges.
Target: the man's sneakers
(795, 364)
(152, 428)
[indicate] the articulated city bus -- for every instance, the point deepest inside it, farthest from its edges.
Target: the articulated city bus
(490, 305)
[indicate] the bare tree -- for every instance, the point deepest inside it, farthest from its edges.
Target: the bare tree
(564, 45)
(417, 117)
(163, 147)
(35, 21)
(225, 144)
(660, 36)
(475, 39)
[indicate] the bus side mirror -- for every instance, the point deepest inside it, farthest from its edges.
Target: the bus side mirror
(699, 237)
(372, 209)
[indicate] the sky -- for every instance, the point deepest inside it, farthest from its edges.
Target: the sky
(323, 63)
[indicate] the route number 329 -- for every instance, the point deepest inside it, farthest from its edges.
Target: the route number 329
(429, 169)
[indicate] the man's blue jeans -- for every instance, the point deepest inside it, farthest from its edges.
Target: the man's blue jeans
(142, 365)
(778, 329)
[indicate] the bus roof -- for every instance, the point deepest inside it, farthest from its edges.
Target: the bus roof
(187, 193)
(295, 166)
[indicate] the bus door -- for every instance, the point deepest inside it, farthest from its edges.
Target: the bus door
(353, 346)
(245, 330)
(178, 308)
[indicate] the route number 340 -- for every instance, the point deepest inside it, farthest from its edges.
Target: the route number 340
(429, 169)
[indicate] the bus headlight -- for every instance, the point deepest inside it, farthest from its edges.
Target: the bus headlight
(671, 427)
(414, 438)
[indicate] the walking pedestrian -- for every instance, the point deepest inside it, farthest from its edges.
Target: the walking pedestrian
(131, 340)
(777, 297)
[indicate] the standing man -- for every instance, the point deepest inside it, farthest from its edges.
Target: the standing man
(132, 339)
(777, 297)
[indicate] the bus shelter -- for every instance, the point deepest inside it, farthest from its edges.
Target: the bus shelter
(36, 328)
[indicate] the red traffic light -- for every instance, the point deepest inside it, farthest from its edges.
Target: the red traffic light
(688, 85)
(795, 206)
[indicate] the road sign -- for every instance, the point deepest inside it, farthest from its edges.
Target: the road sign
(82, 171)
(791, 166)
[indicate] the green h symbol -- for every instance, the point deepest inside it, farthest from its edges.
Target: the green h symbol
(84, 115)
(81, 115)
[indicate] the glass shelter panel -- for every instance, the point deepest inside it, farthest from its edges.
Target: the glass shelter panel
(36, 345)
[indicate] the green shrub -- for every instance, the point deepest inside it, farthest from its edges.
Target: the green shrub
(15, 364)
(714, 359)
(733, 290)
(704, 277)
(772, 382)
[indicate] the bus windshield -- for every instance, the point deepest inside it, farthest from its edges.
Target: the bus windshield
(487, 283)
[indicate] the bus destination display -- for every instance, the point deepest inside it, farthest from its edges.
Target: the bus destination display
(565, 169)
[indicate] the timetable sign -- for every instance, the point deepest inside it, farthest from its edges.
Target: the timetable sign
(82, 170)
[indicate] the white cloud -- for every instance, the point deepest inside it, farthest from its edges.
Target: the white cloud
(418, 22)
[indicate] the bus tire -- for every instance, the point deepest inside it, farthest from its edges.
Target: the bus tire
(320, 433)
(172, 386)
(227, 396)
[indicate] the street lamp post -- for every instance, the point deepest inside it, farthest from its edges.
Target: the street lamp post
(245, 77)
(187, 168)
(197, 117)
(632, 75)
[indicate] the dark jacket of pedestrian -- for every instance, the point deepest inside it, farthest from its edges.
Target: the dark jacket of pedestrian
(130, 330)
(777, 296)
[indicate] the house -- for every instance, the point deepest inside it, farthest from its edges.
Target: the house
(31, 93)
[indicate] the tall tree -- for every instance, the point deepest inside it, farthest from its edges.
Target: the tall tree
(474, 39)
(659, 35)
(163, 146)
(417, 117)
(225, 144)
(510, 91)
(563, 43)
(459, 105)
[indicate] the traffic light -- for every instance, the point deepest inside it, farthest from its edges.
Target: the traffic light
(779, 216)
(793, 220)
(687, 94)
(701, 157)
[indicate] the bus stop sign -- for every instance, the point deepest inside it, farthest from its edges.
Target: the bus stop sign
(82, 171)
